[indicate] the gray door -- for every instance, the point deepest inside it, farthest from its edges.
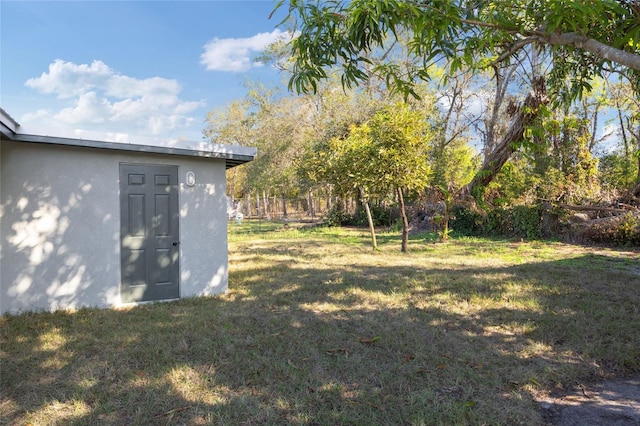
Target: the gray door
(149, 232)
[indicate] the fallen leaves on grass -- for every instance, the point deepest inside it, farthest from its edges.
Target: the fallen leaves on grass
(175, 410)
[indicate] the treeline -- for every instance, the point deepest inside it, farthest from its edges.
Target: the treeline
(330, 154)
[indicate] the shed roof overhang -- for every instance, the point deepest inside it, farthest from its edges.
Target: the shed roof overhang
(233, 155)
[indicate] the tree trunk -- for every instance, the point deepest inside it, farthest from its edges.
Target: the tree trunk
(625, 141)
(284, 205)
(636, 189)
(522, 116)
(447, 199)
(405, 222)
(265, 203)
(372, 230)
(593, 208)
(312, 208)
(491, 123)
(248, 203)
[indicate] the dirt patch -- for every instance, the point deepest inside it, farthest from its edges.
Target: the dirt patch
(614, 402)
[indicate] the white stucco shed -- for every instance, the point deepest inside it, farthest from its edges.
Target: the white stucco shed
(90, 221)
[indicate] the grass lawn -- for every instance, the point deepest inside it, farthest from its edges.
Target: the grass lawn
(319, 329)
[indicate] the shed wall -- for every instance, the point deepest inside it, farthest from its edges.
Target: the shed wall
(60, 226)
(1, 229)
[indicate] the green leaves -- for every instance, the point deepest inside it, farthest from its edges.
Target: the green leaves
(466, 35)
(389, 150)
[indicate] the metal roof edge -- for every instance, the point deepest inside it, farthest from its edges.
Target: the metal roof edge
(8, 125)
(234, 155)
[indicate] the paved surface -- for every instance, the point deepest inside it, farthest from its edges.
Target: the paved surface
(615, 402)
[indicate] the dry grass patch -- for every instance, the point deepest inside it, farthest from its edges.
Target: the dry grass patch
(319, 329)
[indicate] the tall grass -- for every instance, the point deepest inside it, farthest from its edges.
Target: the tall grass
(319, 329)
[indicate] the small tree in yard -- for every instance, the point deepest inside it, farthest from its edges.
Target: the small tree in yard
(349, 164)
(386, 154)
(400, 139)
(357, 169)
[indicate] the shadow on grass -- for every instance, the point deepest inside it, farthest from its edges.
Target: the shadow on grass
(295, 344)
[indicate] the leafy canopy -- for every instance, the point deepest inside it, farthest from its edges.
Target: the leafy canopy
(388, 151)
(582, 39)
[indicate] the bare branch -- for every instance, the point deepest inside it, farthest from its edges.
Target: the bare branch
(514, 47)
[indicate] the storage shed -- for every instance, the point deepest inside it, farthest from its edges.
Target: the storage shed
(110, 221)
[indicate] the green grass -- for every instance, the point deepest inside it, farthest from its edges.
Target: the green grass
(317, 328)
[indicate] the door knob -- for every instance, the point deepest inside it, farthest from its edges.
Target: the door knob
(175, 243)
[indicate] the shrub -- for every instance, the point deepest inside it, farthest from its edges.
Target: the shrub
(627, 233)
(337, 217)
(379, 215)
(465, 221)
(518, 221)
(526, 222)
(498, 222)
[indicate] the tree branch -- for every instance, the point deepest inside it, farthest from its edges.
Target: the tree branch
(595, 47)
(514, 47)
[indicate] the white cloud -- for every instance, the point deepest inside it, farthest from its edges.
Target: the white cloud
(98, 98)
(236, 54)
(66, 79)
(88, 109)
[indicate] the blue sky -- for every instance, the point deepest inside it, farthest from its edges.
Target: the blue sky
(151, 68)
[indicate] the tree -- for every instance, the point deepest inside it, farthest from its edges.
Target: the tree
(399, 138)
(585, 38)
(231, 125)
(582, 40)
(277, 126)
(388, 153)
(627, 109)
(352, 169)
